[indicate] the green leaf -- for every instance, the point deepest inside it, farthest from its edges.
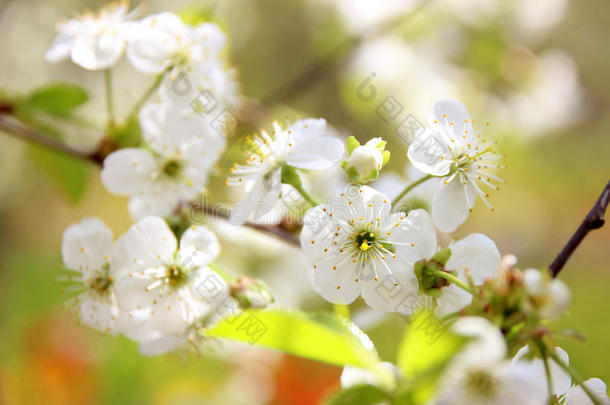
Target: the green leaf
(57, 99)
(426, 348)
(351, 144)
(323, 337)
(362, 394)
(66, 171)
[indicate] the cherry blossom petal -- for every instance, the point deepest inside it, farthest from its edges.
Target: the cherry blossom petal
(477, 253)
(198, 247)
(262, 198)
(60, 48)
(127, 171)
(429, 153)
(452, 204)
(310, 149)
(578, 396)
(86, 246)
(453, 299)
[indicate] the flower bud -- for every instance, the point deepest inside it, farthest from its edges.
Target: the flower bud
(551, 297)
(365, 161)
(250, 293)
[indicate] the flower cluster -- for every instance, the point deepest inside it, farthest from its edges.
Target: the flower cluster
(145, 285)
(157, 284)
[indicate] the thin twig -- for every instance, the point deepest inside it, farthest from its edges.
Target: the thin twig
(12, 126)
(276, 230)
(593, 220)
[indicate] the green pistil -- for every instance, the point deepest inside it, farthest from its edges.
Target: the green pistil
(172, 168)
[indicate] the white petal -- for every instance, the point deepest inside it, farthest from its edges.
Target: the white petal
(577, 396)
(98, 313)
(260, 200)
(453, 299)
(310, 149)
(477, 253)
(154, 202)
(417, 229)
(198, 247)
(488, 343)
(337, 286)
(450, 207)
(60, 48)
(86, 246)
(395, 289)
(148, 243)
(97, 52)
(128, 171)
(155, 41)
(561, 379)
(429, 153)
(449, 110)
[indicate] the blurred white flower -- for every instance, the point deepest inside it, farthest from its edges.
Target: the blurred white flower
(577, 395)
(552, 90)
(480, 374)
(93, 41)
(87, 248)
(183, 150)
(551, 297)
(562, 381)
(302, 145)
(358, 247)
(162, 41)
(453, 149)
(166, 291)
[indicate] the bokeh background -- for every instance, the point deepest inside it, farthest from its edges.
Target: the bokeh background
(537, 70)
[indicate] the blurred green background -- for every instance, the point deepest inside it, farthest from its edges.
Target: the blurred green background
(536, 70)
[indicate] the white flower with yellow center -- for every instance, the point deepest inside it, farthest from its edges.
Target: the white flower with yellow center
(302, 145)
(87, 249)
(166, 290)
(452, 148)
(358, 247)
(93, 41)
(182, 151)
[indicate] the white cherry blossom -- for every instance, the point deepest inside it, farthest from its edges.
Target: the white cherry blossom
(357, 247)
(87, 248)
(93, 41)
(562, 381)
(302, 145)
(480, 374)
(182, 151)
(166, 291)
(452, 148)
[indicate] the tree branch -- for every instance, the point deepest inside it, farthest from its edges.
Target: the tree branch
(593, 220)
(13, 127)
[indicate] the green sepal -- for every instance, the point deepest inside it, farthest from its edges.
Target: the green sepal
(386, 157)
(351, 143)
(442, 256)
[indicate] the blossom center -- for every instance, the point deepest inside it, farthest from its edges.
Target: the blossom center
(175, 276)
(101, 284)
(429, 273)
(172, 168)
(365, 240)
(481, 384)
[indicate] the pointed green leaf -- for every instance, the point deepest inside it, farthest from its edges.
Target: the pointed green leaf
(426, 348)
(324, 337)
(57, 99)
(66, 171)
